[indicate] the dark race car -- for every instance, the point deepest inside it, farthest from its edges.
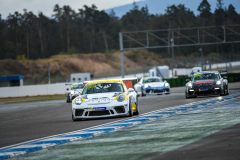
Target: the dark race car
(206, 83)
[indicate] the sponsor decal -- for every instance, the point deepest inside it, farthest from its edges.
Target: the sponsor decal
(98, 108)
(204, 89)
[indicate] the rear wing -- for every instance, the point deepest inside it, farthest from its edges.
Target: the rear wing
(223, 72)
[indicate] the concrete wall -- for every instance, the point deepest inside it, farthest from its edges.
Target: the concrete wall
(33, 90)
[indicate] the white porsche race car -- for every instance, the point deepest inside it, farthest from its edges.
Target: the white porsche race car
(75, 91)
(152, 85)
(106, 98)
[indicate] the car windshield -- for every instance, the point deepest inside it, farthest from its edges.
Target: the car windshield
(151, 80)
(206, 76)
(102, 88)
(77, 86)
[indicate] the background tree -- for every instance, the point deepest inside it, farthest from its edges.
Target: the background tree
(90, 30)
(205, 12)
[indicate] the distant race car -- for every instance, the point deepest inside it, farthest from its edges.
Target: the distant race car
(75, 91)
(152, 85)
(206, 83)
(106, 98)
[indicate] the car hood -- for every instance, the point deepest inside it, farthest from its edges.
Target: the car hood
(156, 84)
(100, 98)
(209, 81)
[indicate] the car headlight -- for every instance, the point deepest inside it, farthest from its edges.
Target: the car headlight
(78, 101)
(146, 85)
(72, 92)
(218, 82)
(121, 98)
(166, 85)
(189, 84)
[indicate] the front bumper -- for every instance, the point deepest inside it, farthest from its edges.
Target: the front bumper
(155, 91)
(85, 111)
(197, 92)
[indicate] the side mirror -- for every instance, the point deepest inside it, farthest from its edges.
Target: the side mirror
(224, 77)
(67, 89)
(187, 80)
(165, 81)
(130, 90)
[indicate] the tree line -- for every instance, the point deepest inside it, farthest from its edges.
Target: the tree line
(89, 30)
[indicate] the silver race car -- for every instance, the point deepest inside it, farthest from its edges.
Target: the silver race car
(206, 83)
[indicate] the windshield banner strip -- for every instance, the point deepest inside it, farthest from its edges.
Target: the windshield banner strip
(197, 75)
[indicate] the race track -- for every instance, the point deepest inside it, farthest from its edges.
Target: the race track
(27, 121)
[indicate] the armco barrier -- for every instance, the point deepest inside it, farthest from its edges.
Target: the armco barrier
(181, 81)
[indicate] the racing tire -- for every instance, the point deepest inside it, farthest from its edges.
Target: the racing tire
(142, 95)
(75, 119)
(187, 97)
(137, 111)
(68, 100)
(222, 92)
(130, 112)
(168, 92)
(227, 90)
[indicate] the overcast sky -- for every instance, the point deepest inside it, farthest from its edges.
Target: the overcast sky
(46, 6)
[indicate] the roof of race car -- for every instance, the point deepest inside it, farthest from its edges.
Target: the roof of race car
(206, 72)
(102, 81)
(122, 79)
(151, 77)
(77, 83)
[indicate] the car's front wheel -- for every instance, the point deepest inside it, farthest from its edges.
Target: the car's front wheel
(227, 92)
(222, 92)
(143, 93)
(68, 99)
(186, 95)
(130, 111)
(75, 119)
(137, 105)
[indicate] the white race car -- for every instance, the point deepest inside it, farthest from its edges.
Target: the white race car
(75, 91)
(152, 85)
(106, 98)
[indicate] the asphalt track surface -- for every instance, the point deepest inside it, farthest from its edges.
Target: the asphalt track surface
(27, 121)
